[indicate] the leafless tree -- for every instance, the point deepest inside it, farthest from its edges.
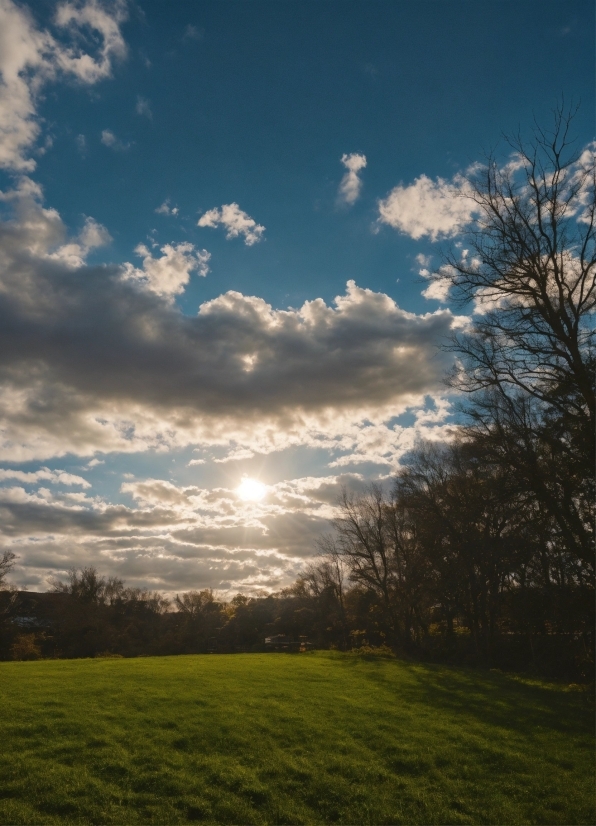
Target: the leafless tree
(530, 269)
(529, 358)
(6, 565)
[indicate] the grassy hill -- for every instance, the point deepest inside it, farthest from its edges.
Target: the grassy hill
(276, 738)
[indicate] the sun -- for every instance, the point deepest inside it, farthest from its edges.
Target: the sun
(251, 490)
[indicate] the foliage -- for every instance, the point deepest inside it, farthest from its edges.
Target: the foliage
(25, 647)
(382, 651)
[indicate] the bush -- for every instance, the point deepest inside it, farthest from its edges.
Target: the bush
(25, 647)
(373, 651)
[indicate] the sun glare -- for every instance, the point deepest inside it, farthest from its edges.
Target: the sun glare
(251, 490)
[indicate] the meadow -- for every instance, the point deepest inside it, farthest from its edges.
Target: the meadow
(275, 738)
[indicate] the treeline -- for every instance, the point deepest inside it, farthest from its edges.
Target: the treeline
(89, 615)
(490, 538)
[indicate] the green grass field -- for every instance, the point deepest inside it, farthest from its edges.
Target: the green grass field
(277, 738)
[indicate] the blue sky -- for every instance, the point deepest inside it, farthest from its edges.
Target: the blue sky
(128, 124)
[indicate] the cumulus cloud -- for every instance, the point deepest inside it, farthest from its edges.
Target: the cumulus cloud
(351, 184)
(99, 358)
(169, 274)
(40, 232)
(435, 209)
(438, 290)
(235, 221)
(31, 57)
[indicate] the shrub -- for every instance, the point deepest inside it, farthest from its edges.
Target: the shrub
(25, 647)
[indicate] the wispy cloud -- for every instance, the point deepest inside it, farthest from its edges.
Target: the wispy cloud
(193, 33)
(108, 138)
(350, 186)
(143, 107)
(236, 222)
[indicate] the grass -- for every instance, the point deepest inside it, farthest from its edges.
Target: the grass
(276, 738)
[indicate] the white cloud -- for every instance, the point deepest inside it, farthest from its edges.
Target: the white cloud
(41, 233)
(31, 57)
(436, 209)
(350, 186)
(169, 274)
(166, 209)
(101, 18)
(235, 221)
(92, 235)
(108, 138)
(45, 474)
(438, 290)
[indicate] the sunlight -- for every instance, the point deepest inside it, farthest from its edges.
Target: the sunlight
(251, 490)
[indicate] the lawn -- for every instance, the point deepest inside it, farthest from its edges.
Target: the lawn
(279, 738)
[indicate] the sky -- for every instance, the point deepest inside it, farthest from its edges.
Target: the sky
(217, 221)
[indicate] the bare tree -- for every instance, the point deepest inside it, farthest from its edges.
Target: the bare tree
(326, 579)
(6, 565)
(531, 273)
(530, 270)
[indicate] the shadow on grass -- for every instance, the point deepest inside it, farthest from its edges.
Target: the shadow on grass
(491, 697)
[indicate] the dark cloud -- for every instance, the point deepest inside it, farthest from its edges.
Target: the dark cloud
(87, 357)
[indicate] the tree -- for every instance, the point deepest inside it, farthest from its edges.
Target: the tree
(6, 565)
(528, 358)
(379, 544)
(8, 598)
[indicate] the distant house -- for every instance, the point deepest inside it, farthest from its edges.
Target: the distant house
(34, 610)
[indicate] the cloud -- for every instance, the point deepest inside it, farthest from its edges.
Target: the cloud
(435, 209)
(172, 537)
(193, 33)
(169, 274)
(31, 57)
(100, 359)
(166, 209)
(438, 290)
(45, 474)
(40, 233)
(108, 138)
(143, 107)
(350, 186)
(235, 221)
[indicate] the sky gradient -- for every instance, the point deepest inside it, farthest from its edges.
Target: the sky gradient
(216, 222)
